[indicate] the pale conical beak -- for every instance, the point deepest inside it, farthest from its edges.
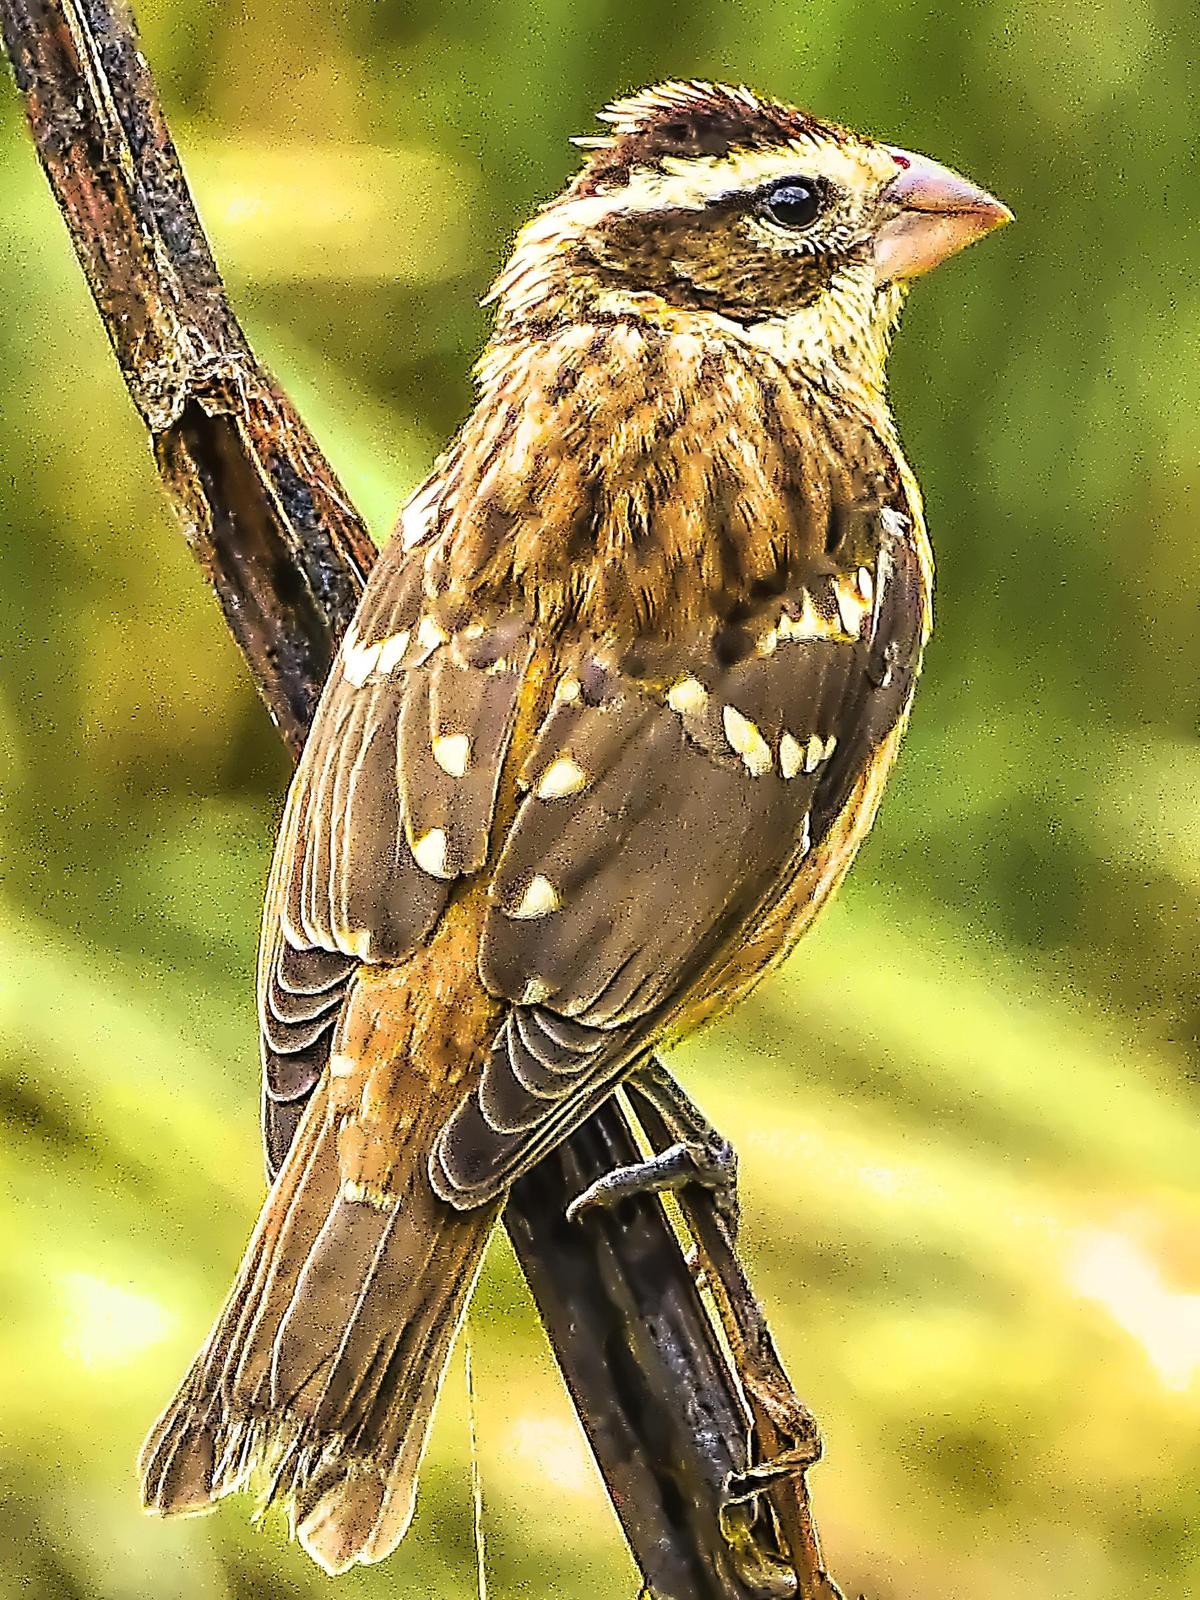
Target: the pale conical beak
(930, 213)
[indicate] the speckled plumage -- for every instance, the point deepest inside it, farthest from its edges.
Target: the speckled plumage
(612, 720)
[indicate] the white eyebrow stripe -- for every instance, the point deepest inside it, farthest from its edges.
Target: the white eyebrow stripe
(692, 182)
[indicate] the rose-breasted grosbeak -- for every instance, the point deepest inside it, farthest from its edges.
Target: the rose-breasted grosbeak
(612, 720)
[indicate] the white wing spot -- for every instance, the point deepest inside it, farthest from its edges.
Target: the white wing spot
(418, 517)
(866, 584)
(894, 522)
(429, 852)
(359, 661)
(539, 900)
(810, 624)
(851, 606)
(391, 650)
(368, 1194)
(791, 755)
(815, 753)
(562, 777)
(745, 738)
(806, 834)
(430, 634)
(452, 752)
(688, 697)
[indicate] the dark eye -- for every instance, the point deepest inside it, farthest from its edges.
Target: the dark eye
(793, 203)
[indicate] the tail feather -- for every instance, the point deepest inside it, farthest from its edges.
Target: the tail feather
(321, 1374)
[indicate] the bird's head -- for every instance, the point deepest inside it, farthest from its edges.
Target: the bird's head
(708, 205)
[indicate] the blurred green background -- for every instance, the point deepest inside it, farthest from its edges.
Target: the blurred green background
(967, 1110)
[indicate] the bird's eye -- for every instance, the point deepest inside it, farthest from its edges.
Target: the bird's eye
(793, 203)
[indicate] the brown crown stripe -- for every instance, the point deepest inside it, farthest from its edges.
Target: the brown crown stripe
(685, 120)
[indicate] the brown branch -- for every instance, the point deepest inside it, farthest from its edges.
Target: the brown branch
(287, 556)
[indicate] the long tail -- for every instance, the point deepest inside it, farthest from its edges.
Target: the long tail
(323, 1369)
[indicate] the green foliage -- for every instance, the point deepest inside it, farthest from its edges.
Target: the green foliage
(966, 1110)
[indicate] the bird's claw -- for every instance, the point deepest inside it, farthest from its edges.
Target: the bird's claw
(741, 1487)
(710, 1164)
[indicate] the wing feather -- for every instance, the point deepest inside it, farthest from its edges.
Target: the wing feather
(663, 804)
(382, 816)
(669, 800)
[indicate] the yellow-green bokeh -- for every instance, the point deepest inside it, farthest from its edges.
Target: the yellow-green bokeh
(967, 1109)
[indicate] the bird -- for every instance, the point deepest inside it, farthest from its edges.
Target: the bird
(607, 730)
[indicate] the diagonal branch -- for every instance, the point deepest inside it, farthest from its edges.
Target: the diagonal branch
(287, 555)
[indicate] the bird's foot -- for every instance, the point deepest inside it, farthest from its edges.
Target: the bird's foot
(794, 1460)
(709, 1163)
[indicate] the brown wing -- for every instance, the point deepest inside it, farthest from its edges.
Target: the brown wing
(392, 801)
(668, 796)
(669, 799)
